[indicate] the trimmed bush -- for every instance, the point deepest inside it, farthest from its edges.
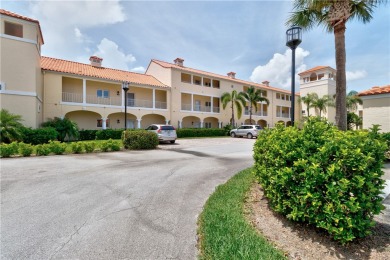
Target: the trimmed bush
(110, 145)
(386, 137)
(25, 149)
(7, 150)
(200, 132)
(39, 135)
(139, 140)
(89, 147)
(77, 147)
(109, 134)
(87, 135)
(42, 149)
(57, 147)
(322, 176)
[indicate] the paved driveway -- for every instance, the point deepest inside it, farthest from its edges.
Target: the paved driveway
(131, 204)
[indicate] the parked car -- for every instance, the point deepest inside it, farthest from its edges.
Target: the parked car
(249, 131)
(164, 132)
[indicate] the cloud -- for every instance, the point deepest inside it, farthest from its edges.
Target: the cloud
(112, 56)
(278, 70)
(139, 69)
(354, 75)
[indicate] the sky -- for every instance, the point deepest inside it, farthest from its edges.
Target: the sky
(246, 37)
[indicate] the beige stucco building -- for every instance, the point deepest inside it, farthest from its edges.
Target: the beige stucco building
(40, 88)
(376, 107)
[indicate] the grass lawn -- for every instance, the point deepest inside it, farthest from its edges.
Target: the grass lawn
(223, 230)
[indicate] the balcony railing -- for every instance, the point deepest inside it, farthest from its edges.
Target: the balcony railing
(111, 101)
(258, 113)
(285, 115)
(198, 108)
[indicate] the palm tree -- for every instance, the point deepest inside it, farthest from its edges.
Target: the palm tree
(253, 96)
(353, 100)
(10, 127)
(237, 99)
(322, 103)
(308, 101)
(64, 126)
(334, 16)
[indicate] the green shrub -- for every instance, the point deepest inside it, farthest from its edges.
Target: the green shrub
(39, 135)
(109, 134)
(7, 150)
(227, 129)
(200, 132)
(87, 135)
(322, 176)
(77, 147)
(66, 128)
(89, 147)
(25, 149)
(57, 147)
(386, 137)
(42, 149)
(110, 145)
(140, 139)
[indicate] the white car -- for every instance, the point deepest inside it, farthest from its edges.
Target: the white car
(249, 131)
(164, 132)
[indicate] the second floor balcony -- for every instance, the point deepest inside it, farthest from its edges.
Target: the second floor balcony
(199, 108)
(258, 113)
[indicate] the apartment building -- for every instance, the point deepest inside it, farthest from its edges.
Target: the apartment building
(39, 88)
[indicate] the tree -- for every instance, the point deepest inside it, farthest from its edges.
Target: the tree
(308, 101)
(10, 127)
(334, 14)
(322, 103)
(236, 99)
(64, 127)
(253, 96)
(353, 100)
(353, 121)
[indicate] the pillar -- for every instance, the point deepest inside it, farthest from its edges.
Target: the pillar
(84, 91)
(104, 123)
(138, 123)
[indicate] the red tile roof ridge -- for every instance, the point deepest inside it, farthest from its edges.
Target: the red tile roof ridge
(15, 15)
(376, 90)
(171, 65)
(315, 69)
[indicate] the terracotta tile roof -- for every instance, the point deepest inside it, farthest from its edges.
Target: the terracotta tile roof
(18, 16)
(75, 68)
(315, 69)
(165, 64)
(376, 91)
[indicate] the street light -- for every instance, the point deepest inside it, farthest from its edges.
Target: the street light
(294, 38)
(125, 87)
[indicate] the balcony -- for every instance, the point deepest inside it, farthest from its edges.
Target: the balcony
(111, 101)
(284, 115)
(258, 113)
(198, 108)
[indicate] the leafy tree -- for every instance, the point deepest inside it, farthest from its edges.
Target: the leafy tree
(308, 101)
(253, 96)
(10, 127)
(353, 100)
(353, 121)
(322, 103)
(64, 126)
(334, 16)
(237, 100)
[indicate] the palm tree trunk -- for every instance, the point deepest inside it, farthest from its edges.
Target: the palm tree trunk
(250, 114)
(233, 115)
(341, 82)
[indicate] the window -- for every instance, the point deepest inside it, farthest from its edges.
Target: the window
(99, 123)
(208, 104)
(277, 95)
(103, 93)
(130, 100)
(263, 93)
(282, 96)
(13, 29)
(215, 83)
(207, 124)
(185, 78)
(197, 80)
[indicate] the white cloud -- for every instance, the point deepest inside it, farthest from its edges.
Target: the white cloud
(112, 56)
(354, 75)
(139, 69)
(278, 70)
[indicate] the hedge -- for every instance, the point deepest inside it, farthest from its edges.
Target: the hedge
(140, 139)
(39, 135)
(85, 135)
(200, 132)
(323, 176)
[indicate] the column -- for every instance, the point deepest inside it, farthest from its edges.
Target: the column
(219, 124)
(104, 123)
(201, 124)
(180, 123)
(123, 98)
(138, 123)
(212, 105)
(192, 102)
(166, 121)
(154, 98)
(84, 91)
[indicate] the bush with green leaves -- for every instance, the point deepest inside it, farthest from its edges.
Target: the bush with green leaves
(109, 134)
(89, 147)
(7, 150)
(66, 128)
(25, 150)
(322, 176)
(57, 147)
(77, 147)
(10, 127)
(42, 149)
(110, 145)
(87, 135)
(139, 140)
(39, 135)
(200, 132)
(386, 137)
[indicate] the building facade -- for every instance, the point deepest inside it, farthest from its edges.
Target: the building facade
(40, 88)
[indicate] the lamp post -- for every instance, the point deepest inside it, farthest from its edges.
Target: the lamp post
(294, 38)
(125, 87)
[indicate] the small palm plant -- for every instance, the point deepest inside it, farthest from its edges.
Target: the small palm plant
(10, 127)
(353, 100)
(322, 103)
(64, 126)
(308, 101)
(253, 96)
(237, 100)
